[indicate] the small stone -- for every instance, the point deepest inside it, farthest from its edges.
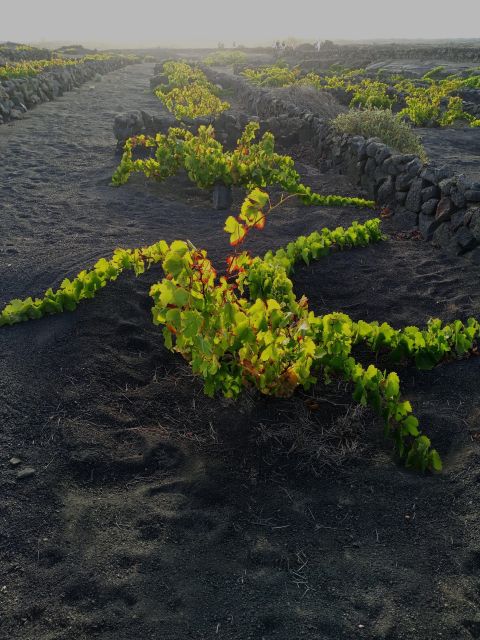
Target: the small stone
(386, 192)
(413, 167)
(15, 461)
(474, 256)
(442, 237)
(414, 198)
(458, 198)
(472, 219)
(465, 240)
(427, 225)
(472, 195)
(16, 114)
(362, 151)
(396, 163)
(472, 216)
(28, 472)
(370, 167)
(435, 174)
(429, 207)
(430, 192)
(456, 221)
(379, 174)
(403, 182)
(222, 197)
(447, 185)
(445, 208)
(382, 154)
(372, 148)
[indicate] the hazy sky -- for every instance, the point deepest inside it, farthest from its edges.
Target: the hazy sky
(206, 22)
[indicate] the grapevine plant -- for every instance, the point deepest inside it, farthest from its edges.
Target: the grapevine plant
(272, 76)
(250, 164)
(187, 92)
(435, 103)
(29, 68)
(225, 58)
(247, 328)
(426, 101)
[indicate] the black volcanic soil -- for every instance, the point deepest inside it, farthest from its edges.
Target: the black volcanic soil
(157, 513)
(459, 148)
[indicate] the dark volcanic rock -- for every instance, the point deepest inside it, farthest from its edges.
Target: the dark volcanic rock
(445, 208)
(403, 182)
(430, 192)
(386, 192)
(427, 225)
(473, 195)
(429, 207)
(414, 197)
(472, 219)
(443, 236)
(456, 221)
(465, 240)
(435, 174)
(447, 185)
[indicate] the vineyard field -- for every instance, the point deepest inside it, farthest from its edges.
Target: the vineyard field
(154, 511)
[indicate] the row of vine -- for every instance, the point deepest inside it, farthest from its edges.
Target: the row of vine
(250, 164)
(187, 93)
(427, 101)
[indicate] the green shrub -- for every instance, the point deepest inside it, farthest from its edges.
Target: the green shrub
(383, 124)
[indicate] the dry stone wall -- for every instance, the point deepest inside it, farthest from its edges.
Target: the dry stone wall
(361, 55)
(443, 205)
(19, 95)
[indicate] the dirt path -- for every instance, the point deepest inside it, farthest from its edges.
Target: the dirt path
(157, 513)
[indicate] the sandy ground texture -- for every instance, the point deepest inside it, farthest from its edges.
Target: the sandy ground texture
(458, 148)
(154, 512)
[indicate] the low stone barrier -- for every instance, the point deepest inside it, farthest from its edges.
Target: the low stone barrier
(443, 205)
(18, 95)
(361, 55)
(228, 126)
(134, 123)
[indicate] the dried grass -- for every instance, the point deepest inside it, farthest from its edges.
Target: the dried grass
(382, 124)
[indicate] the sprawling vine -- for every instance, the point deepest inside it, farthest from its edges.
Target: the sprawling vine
(187, 93)
(247, 327)
(225, 58)
(250, 164)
